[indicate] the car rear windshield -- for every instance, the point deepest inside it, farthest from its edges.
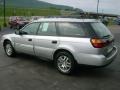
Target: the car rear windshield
(75, 29)
(86, 29)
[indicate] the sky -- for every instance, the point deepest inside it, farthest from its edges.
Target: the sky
(105, 6)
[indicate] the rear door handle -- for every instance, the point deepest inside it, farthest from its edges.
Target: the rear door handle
(54, 42)
(29, 39)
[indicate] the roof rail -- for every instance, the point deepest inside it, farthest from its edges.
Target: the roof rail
(83, 16)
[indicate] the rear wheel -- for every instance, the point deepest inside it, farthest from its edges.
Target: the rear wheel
(9, 50)
(64, 62)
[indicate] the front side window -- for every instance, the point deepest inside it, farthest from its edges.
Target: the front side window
(31, 29)
(47, 29)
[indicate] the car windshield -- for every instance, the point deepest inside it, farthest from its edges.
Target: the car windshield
(100, 29)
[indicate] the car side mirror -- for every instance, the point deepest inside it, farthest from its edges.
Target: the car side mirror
(20, 32)
(17, 32)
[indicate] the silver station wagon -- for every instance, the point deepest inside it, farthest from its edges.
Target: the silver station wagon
(66, 41)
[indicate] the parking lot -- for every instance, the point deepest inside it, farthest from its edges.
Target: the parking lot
(26, 72)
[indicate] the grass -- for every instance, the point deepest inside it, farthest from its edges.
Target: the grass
(10, 11)
(2, 22)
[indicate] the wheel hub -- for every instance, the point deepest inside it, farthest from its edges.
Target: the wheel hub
(8, 49)
(64, 63)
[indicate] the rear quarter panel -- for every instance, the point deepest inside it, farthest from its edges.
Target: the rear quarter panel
(78, 45)
(81, 48)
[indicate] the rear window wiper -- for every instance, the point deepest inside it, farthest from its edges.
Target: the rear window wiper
(106, 36)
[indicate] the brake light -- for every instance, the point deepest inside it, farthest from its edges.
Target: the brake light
(98, 43)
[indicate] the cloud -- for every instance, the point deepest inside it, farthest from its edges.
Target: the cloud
(106, 6)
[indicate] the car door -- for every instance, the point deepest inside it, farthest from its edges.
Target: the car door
(46, 40)
(24, 42)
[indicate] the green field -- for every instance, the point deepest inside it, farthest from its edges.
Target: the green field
(30, 11)
(2, 22)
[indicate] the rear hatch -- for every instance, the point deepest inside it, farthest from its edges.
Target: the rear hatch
(103, 33)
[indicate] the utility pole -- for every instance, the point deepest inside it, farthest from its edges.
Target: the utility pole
(98, 8)
(4, 12)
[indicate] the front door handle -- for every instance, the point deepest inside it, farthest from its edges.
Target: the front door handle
(29, 39)
(54, 42)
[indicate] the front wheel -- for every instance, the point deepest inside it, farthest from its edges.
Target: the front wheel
(65, 62)
(9, 50)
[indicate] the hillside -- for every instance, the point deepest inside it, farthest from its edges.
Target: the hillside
(33, 4)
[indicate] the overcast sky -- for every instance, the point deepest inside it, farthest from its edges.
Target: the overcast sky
(106, 6)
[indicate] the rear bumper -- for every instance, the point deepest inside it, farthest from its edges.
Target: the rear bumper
(96, 60)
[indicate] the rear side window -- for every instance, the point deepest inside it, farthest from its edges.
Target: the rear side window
(100, 29)
(74, 29)
(47, 29)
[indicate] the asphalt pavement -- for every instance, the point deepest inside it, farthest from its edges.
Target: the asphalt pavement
(25, 72)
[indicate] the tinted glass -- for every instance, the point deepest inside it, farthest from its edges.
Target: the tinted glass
(31, 29)
(47, 29)
(100, 29)
(75, 29)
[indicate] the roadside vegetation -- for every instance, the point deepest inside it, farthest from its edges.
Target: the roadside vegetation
(10, 11)
(2, 22)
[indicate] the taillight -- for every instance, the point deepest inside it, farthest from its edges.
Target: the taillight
(98, 43)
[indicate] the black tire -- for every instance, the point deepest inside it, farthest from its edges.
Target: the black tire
(12, 52)
(71, 60)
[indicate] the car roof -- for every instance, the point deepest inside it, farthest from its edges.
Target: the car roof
(65, 20)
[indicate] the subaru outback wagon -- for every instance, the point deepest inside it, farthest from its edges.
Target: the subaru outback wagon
(66, 41)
